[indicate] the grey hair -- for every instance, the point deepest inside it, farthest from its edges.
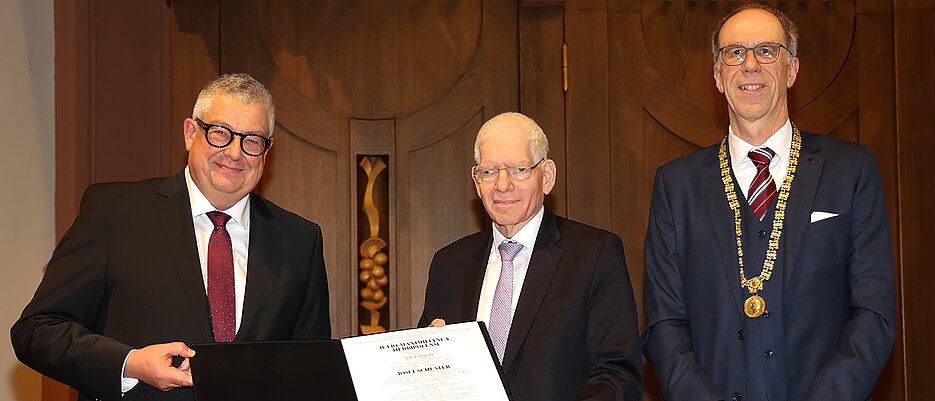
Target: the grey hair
(538, 143)
(788, 28)
(241, 86)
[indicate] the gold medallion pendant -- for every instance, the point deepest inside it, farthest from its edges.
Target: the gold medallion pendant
(754, 306)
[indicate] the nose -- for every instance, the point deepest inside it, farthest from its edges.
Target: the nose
(233, 150)
(750, 62)
(503, 182)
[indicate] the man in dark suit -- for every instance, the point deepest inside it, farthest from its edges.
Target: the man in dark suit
(768, 265)
(150, 267)
(554, 293)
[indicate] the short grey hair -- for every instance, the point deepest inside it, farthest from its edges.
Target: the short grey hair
(241, 86)
(538, 143)
(788, 28)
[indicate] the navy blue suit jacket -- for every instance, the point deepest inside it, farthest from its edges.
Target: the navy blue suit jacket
(574, 334)
(126, 275)
(837, 289)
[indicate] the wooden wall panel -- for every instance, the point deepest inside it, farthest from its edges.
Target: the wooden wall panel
(914, 23)
(587, 138)
(631, 175)
(442, 203)
(542, 97)
(877, 126)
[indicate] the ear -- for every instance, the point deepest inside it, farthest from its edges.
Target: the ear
(548, 176)
(793, 72)
(717, 78)
(189, 128)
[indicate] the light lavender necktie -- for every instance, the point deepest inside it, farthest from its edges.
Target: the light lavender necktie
(501, 310)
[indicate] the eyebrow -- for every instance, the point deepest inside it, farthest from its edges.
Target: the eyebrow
(260, 133)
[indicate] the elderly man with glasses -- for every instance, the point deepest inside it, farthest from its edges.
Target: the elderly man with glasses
(554, 293)
(151, 267)
(769, 273)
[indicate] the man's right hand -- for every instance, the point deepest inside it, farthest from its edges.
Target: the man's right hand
(153, 365)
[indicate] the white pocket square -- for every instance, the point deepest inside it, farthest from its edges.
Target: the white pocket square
(819, 216)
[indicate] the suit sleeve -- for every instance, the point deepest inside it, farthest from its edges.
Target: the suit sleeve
(314, 321)
(612, 331)
(866, 340)
(56, 334)
(430, 308)
(667, 340)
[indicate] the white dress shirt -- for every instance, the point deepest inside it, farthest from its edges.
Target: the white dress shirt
(527, 237)
(239, 229)
(744, 169)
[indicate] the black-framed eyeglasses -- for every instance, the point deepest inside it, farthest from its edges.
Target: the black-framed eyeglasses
(220, 136)
(518, 172)
(765, 53)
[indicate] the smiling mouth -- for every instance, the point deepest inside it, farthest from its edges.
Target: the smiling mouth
(227, 168)
(505, 202)
(751, 87)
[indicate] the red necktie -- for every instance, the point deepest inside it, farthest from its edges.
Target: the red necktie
(763, 188)
(221, 279)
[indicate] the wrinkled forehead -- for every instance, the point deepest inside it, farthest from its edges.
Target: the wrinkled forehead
(751, 27)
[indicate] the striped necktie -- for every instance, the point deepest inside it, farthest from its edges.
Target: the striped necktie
(763, 188)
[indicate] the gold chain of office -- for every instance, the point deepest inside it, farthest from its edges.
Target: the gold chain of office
(755, 305)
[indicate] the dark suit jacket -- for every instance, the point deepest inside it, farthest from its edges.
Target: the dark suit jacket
(837, 290)
(127, 275)
(574, 333)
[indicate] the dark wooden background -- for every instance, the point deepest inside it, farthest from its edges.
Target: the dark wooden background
(414, 80)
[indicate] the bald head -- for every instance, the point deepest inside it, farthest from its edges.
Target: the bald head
(514, 122)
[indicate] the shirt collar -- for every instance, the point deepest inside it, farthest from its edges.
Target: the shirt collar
(780, 142)
(526, 235)
(201, 205)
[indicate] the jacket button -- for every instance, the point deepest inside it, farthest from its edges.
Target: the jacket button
(736, 396)
(740, 335)
(768, 354)
(761, 234)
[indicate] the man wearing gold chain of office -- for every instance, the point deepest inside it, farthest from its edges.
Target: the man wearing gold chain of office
(769, 271)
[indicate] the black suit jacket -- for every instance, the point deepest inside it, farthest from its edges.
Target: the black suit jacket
(837, 300)
(574, 334)
(127, 275)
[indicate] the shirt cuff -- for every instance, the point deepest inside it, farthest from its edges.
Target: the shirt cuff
(127, 383)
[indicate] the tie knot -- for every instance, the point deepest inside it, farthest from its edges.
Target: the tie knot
(509, 250)
(761, 156)
(218, 218)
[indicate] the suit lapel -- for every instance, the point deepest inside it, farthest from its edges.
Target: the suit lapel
(474, 276)
(545, 257)
(174, 210)
(801, 199)
(260, 255)
(722, 223)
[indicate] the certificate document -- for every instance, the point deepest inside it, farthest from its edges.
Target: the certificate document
(454, 362)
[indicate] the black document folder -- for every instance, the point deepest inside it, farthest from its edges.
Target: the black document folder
(457, 361)
(288, 370)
